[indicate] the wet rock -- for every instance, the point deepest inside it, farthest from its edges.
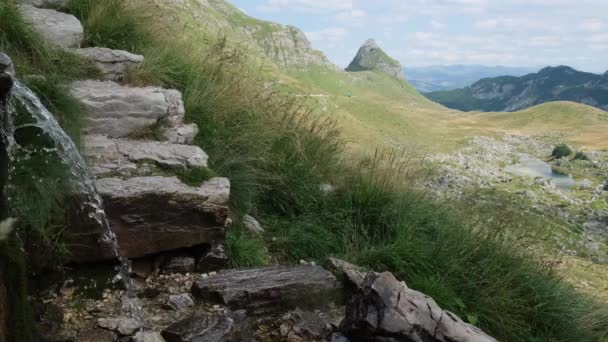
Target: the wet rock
(148, 336)
(157, 214)
(123, 325)
(270, 289)
(201, 327)
(383, 309)
(180, 302)
(179, 264)
(180, 134)
(304, 326)
(216, 259)
(96, 335)
(60, 29)
(117, 111)
(252, 225)
(114, 64)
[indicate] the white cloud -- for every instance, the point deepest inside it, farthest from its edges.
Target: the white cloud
(332, 34)
(306, 5)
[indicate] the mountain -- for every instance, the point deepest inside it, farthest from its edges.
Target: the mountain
(371, 57)
(508, 93)
(448, 77)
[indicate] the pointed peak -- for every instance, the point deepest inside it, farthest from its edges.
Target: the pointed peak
(371, 57)
(371, 43)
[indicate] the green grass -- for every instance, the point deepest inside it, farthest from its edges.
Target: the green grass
(277, 154)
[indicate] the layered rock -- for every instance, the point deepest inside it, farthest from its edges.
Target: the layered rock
(118, 111)
(59, 29)
(382, 309)
(371, 57)
(114, 64)
(270, 289)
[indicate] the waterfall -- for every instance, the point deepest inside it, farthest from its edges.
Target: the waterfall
(82, 182)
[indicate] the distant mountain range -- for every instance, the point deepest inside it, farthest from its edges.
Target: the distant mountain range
(508, 93)
(448, 77)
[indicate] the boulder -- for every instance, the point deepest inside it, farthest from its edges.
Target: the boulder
(106, 155)
(118, 111)
(385, 310)
(114, 64)
(148, 336)
(123, 325)
(270, 289)
(180, 302)
(180, 134)
(252, 225)
(155, 214)
(59, 29)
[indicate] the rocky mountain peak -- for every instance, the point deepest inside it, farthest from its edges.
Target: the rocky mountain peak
(371, 57)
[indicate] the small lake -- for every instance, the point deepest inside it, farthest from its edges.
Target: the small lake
(533, 167)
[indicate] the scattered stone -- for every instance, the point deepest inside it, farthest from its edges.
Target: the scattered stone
(114, 64)
(270, 289)
(179, 264)
(201, 327)
(148, 336)
(215, 259)
(180, 134)
(180, 302)
(383, 309)
(252, 225)
(60, 29)
(117, 111)
(123, 325)
(96, 335)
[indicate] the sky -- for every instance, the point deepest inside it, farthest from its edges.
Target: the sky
(528, 33)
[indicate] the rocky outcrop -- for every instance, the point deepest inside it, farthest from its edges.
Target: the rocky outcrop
(155, 214)
(121, 156)
(371, 57)
(113, 64)
(270, 289)
(380, 308)
(117, 111)
(59, 29)
(180, 134)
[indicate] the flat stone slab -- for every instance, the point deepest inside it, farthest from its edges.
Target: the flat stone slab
(150, 215)
(107, 155)
(114, 64)
(59, 29)
(117, 111)
(270, 289)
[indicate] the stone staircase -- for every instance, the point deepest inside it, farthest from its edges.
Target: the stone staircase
(150, 210)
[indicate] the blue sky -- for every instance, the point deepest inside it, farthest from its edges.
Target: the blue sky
(427, 32)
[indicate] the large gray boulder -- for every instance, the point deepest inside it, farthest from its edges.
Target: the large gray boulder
(270, 289)
(118, 111)
(59, 29)
(106, 155)
(114, 64)
(383, 309)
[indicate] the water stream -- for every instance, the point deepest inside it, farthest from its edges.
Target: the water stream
(84, 185)
(533, 167)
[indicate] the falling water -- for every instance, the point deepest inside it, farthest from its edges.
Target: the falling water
(66, 150)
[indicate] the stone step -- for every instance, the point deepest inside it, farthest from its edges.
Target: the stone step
(118, 111)
(121, 156)
(59, 29)
(114, 64)
(151, 215)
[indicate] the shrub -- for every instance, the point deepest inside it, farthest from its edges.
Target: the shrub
(580, 155)
(561, 151)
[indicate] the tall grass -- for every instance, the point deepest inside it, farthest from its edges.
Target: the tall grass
(278, 155)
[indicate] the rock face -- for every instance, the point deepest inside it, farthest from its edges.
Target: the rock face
(271, 289)
(114, 64)
(117, 111)
(59, 29)
(106, 155)
(383, 309)
(371, 57)
(155, 214)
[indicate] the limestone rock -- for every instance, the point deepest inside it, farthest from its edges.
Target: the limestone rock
(371, 57)
(270, 289)
(148, 336)
(180, 134)
(114, 64)
(60, 29)
(117, 111)
(385, 310)
(96, 335)
(155, 214)
(180, 302)
(111, 155)
(252, 225)
(123, 325)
